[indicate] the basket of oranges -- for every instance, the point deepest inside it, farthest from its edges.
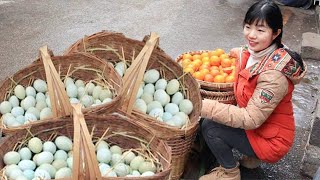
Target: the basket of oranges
(215, 72)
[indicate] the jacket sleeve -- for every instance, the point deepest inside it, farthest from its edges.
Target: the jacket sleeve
(271, 87)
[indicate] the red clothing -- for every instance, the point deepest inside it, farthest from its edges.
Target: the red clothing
(274, 138)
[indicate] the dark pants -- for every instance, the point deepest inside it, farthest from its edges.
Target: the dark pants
(222, 139)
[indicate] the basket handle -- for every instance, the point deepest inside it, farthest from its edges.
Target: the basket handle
(58, 96)
(134, 75)
(85, 164)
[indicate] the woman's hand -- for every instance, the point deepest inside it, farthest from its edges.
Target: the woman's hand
(235, 52)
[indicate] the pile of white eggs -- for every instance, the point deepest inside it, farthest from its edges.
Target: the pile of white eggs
(160, 98)
(53, 160)
(32, 103)
(163, 100)
(40, 160)
(116, 162)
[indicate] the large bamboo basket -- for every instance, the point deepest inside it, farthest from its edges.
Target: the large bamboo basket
(180, 140)
(98, 126)
(65, 65)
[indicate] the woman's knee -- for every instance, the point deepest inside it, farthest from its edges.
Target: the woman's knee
(209, 128)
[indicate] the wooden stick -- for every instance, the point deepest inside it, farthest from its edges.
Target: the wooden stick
(58, 96)
(134, 75)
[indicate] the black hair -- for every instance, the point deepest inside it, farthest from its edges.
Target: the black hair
(268, 11)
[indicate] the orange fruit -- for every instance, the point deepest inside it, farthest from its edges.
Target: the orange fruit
(185, 62)
(196, 56)
(205, 59)
(188, 69)
(230, 78)
(215, 61)
(223, 56)
(227, 70)
(233, 60)
(214, 67)
(187, 56)
(198, 75)
(219, 51)
(209, 78)
(198, 62)
(204, 66)
(204, 54)
(192, 66)
(219, 78)
(205, 71)
(213, 53)
(226, 62)
(214, 72)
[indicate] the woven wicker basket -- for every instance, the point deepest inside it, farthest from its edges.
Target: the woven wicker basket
(208, 85)
(180, 140)
(223, 97)
(65, 64)
(98, 125)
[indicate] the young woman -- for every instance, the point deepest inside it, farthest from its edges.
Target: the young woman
(262, 125)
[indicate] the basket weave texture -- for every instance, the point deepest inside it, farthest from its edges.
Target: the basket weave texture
(65, 64)
(222, 92)
(115, 122)
(180, 140)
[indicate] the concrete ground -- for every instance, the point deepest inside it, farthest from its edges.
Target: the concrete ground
(25, 26)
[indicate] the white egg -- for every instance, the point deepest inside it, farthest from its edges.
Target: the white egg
(49, 146)
(42, 174)
(21, 119)
(172, 86)
(74, 100)
(11, 157)
(40, 85)
(72, 91)
(89, 88)
(28, 102)
(27, 164)
(177, 98)
(140, 105)
(61, 154)
(17, 111)
(35, 145)
(96, 92)
(186, 106)
(49, 168)
(151, 76)
(105, 93)
(161, 96)
(166, 116)
(81, 92)
(172, 108)
(30, 91)
(149, 88)
(20, 92)
(45, 113)
(63, 173)
(41, 105)
(29, 117)
(63, 143)
(59, 163)
(44, 158)
(147, 97)
(68, 81)
(5, 107)
(104, 155)
(79, 83)
(14, 101)
(34, 111)
(25, 153)
(161, 84)
(40, 97)
(29, 174)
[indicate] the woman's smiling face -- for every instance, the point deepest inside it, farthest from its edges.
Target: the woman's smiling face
(259, 35)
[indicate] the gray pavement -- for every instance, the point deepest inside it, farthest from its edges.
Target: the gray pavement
(183, 25)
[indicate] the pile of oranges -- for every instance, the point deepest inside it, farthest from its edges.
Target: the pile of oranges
(210, 66)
